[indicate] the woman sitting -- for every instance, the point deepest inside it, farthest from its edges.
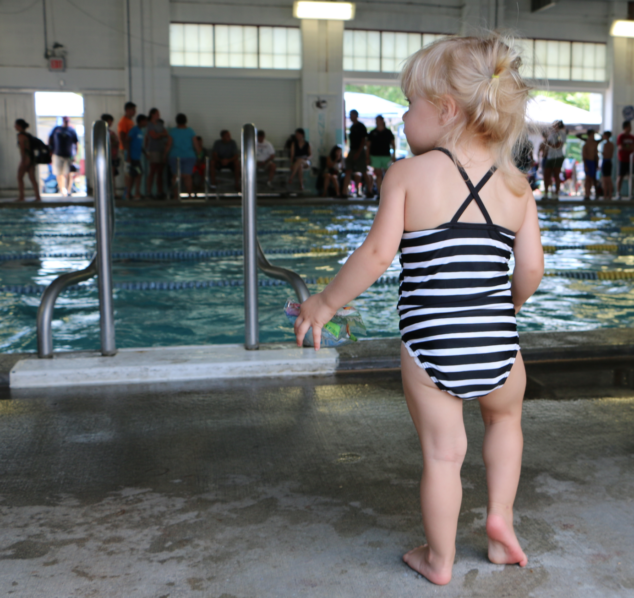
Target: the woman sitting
(332, 173)
(300, 157)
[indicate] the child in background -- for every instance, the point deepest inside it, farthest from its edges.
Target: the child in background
(135, 142)
(607, 153)
(590, 155)
(457, 305)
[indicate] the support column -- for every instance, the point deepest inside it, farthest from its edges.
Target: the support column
(147, 68)
(322, 84)
(620, 54)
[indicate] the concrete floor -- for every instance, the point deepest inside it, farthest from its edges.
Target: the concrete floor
(305, 487)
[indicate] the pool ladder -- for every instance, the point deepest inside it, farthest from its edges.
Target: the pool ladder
(254, 256)
(101, 263)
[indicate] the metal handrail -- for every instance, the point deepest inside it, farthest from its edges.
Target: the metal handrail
(253, 254)
(100, 265)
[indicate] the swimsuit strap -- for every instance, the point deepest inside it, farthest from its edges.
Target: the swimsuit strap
(473, 190)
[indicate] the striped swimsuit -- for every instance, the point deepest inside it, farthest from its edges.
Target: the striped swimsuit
(457, 318)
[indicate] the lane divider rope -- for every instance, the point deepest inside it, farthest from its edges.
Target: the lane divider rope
(155, 256)
(184, 234)
(159, 256)
(314, 231)
(268, 282)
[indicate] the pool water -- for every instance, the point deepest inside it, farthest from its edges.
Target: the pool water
(216, 314)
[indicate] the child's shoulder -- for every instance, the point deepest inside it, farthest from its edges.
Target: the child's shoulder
(428, 170)
(429, 163)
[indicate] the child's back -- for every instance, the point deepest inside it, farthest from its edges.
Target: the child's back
(435, 190)
(457, 211)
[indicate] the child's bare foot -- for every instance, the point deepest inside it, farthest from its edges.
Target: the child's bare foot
(504, 549)
(420, 560)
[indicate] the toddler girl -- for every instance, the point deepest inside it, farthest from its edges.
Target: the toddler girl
(456, 304)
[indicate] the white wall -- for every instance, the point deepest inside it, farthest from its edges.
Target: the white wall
(215, 103)
(240, 12)
(93, 37)
(574, 20)
(122, 47)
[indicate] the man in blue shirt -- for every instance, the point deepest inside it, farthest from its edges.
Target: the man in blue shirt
(63, 143)
(134, 143)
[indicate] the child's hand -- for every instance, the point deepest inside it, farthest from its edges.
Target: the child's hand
(316, 313)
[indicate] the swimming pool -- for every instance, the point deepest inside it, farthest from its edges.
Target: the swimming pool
(36, 245)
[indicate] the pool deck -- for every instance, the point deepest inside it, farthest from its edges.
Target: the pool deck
(229, 200)
(581, 351)
(296, 487)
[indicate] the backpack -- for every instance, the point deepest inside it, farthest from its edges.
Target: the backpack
(40, 151)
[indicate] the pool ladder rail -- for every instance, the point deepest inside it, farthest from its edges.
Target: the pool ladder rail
(101, 263)
(254, 256)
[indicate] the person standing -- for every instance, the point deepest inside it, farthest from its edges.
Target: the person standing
(556, 143)
(135, 140)
(63, 143)
(356, 161)
(27, 163)
(123, 128)
(381, 141)
(225, 154)
(590, 155)
(182, 144)
(155, 142)
(625, 146)
(265, 156)
(606, 165)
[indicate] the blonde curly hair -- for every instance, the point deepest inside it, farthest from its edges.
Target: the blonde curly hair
(482, 75)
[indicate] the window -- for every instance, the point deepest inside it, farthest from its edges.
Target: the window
(235, 46)
(553, 58)
(576, 61)
(280, 48)
(588, 62)
(191, 45)
(381, 51)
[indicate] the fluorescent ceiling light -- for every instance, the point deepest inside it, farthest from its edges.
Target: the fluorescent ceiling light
(622, 29)
(334, 11)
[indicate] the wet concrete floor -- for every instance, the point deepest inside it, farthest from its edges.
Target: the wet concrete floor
(305, 487)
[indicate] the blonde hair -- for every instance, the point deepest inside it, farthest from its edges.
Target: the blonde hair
(482, 75)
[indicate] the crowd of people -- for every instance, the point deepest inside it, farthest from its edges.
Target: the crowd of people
(597, 162)
(369, 157)
(177, 155)
(142, 142)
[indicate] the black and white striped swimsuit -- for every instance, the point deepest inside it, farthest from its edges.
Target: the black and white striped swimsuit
(456, 313)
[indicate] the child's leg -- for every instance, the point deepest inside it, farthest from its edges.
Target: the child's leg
(438, 420)
(502, 452)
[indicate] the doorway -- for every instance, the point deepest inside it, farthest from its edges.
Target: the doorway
(50, 108)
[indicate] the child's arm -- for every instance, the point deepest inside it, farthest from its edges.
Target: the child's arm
(365, 265)
(529, 257)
